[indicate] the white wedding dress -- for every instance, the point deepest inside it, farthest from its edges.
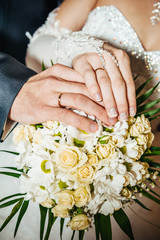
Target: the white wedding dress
(109, 24)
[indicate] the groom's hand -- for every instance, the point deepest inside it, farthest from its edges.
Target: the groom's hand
(37, 101)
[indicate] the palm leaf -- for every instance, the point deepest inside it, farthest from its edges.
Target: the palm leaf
(153, 148)
(81, 234)
(13, 212)
(43, 66)
(51, 221)
(21, 214)
(146, 95)
(105, 227)
(96, 222)
(142, 205)
(16, 175)
(154, 192)
(61, 226)
(10, 202)
(124, 223)
(147, 106)
(150, 113)
(14, 195)
(14, 153)
(148, 195)
(153, 153)
(143, 86)
(153, 118)
(136, 77)
(52, 62)
(43, 214)
(154, 164)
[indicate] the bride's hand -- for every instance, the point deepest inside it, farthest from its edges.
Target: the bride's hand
(113, 85)
(39, 100)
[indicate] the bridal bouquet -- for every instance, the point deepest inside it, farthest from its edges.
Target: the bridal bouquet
(85, 177)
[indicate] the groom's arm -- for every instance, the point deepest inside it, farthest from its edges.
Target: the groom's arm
(13, 75)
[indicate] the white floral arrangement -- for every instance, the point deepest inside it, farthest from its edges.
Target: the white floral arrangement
(86, 177)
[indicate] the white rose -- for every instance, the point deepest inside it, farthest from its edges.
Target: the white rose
(67, 159)
(59, 211)
(106, 150)
(82, 196)
(79, 222)
(65, 199)
(37, 138)
(51, 124)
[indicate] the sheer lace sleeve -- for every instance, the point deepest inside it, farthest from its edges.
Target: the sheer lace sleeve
(50, 42)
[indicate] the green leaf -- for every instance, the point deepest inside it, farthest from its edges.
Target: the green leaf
(153, 153)
(124, 223)
(51, 221)
(10, 202)
(16, 175)
(13, 168)
(39, 125)
(43, 66)
(123, 149)
(146, 95)
(81, 234)
(43, 214)
(61, 226)
(143, 86)
(142, 205)
(14, 195)
(52, 62)
(154, 192)
(96, 222)
(62, 184)
(154, 148)
(14, 153)
(73, 235)
(78, 143)
(151, 113)
(147, 106)
(105, 227)
(21, 214)
(110, 130)
(13, 212)
(144, 159)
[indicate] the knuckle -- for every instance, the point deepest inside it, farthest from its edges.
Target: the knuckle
(47, 82)
(79, 100)
(118, 83)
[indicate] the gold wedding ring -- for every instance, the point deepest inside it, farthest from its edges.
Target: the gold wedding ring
(97, 69)
(59, 100)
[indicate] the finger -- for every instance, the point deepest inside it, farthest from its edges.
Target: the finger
(85, 69)
(71, 118)
(83, 103)
(118, 87)
(61, 71)
(125, 68)
(108, 98)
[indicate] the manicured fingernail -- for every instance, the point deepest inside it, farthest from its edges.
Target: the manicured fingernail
(123, 116)
(132, 111)
(113, 112)
(98, 97)
(93, 127)
(112, 121)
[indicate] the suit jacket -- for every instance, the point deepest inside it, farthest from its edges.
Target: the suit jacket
(17, 17)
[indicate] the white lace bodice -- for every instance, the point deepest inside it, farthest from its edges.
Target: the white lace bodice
(108, 23)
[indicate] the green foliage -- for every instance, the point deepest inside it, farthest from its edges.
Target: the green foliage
(61, 227)
(78, 143)
(43, 214)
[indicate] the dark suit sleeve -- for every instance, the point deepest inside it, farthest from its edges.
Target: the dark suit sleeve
(13, 75)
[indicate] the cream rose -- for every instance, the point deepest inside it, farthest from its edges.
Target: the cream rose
(106, 150)
(67, 159)
(79, 222)
(92, 159)
(65, 199)
(85, 174)
(141, 126)
(48, 203)
(59, 211)
(82, 196)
